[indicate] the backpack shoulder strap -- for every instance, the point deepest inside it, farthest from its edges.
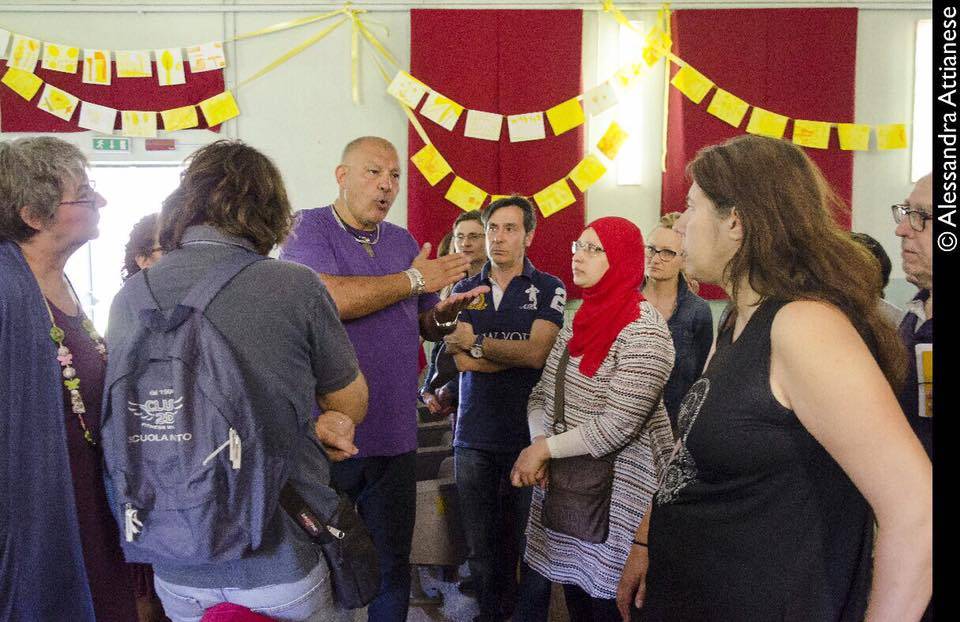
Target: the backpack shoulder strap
(203, 293)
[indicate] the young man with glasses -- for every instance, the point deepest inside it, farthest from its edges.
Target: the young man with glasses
(687, 315)
(916, 329)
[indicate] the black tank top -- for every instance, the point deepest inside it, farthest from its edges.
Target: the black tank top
(754, 520)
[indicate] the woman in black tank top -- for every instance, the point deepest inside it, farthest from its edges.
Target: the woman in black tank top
(792, 443)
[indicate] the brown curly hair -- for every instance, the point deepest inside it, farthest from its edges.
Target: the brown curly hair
(793, 248)
(233, 187)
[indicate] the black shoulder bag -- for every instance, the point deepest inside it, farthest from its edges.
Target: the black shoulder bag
(577, 500)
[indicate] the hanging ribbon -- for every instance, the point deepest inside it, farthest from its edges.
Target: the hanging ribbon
(291, 53)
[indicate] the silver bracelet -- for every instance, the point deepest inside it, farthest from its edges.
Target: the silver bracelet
(444, 325)
(417, 284)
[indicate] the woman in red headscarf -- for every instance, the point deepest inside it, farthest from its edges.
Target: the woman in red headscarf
(617, 358)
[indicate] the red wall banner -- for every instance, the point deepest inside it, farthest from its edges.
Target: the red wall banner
(508, 62)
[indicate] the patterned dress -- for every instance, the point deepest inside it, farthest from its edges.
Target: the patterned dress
(624, 396)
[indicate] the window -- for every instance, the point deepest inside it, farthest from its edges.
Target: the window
(632, 157)
(922, 142)
(131, 192)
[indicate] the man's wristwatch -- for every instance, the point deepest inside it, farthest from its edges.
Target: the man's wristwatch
(476, 350)
(417, 284)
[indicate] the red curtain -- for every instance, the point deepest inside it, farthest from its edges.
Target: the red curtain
(19, 115)
(797, 62)
(506, 62)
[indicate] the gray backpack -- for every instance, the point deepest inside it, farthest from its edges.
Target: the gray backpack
(188, 471)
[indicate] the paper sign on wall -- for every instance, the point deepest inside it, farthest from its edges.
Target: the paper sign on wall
(465, 195)
(485, 125)
(170, 67)
(97, 118)
(429, 162)
(854, 136)
(58, 103)
(97, 68)
(565, 116)
(59, 57)
(526, 126)
(133, 64)
(554, 198)
(407, 89)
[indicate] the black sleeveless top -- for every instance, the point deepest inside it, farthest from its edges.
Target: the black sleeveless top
(754, 520)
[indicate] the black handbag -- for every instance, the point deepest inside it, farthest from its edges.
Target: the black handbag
(577, 499)
(346, 545)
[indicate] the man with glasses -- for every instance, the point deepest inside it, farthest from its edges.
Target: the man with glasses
(687, 315)
(915, 230)
(500, 345)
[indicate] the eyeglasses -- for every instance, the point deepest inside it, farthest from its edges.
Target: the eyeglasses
(918, 218)
(592, 250)
(665, 253)
(473, 237)
(89, 193)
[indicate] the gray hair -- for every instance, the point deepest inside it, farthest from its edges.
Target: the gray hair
(32, 176)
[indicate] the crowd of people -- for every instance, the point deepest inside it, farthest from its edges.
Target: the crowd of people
(781, 470)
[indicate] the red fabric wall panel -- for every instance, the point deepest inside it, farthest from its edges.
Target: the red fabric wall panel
(797, 62)
(19, 115)
(507, 62)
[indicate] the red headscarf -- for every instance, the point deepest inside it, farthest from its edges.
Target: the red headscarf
(614, 301)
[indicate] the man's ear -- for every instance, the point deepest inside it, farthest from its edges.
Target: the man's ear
(340, 173)
(528, 239)
(32, 221)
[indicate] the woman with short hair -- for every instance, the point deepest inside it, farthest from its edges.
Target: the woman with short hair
(792, 443)
(143, 248)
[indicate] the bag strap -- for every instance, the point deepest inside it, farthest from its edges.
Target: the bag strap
(203, 293)
(559, 397)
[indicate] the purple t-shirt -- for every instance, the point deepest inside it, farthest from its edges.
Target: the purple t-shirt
(387, 341)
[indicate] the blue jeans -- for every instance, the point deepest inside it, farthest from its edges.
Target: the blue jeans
(308, 600)
(385, 491)
(486, 497)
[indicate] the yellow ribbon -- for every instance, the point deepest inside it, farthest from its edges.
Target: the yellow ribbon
(664, 16)
(293, 23)
(290, 54)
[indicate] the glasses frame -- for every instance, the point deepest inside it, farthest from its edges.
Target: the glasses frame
(473, 237)
(900, 210)
(92, 200)
(591, 250)
(652, 252)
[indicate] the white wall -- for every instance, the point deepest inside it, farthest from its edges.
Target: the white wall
(302, 114)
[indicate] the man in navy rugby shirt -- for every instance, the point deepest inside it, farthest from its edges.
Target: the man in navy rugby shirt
(500, 345)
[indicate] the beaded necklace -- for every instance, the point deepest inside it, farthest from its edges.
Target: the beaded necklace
(366, 239)
(70, 379)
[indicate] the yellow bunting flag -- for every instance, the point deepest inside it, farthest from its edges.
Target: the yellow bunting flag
(219, 108)
(23, 83)
(429, 161)
(893, 136)
(441, 110)
(182, 118)
(611, 141)
(526, 126)
(407, 89)
(587, 172)
(497, 197)
(854, 136)
(138, 123)
(97, 118)
(766, 123)
(692, 83)
(170, 67)
(566, 116)
(485, 125)
(58, 103)
(24, 53)
(814, 134)
(60, 57)
(465, 195)
(628, 76)
(728, 107)
(599, 99)
(554, 198)
(97, 68)
(133, 63)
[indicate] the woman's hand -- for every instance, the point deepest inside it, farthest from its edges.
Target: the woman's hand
(432, 403)
(633, 581)
(531, 465)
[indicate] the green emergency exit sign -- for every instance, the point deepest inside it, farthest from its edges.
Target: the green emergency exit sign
(111, 144)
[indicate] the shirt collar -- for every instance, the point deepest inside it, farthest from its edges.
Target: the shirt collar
(208, 233)
(917, 308)
(528, 269)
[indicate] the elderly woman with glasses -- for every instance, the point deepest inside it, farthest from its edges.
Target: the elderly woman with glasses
(687, 315)
(608, 369)
(59, 544)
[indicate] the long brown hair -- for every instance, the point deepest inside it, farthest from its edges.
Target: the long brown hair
(233, 187)
(793, 248)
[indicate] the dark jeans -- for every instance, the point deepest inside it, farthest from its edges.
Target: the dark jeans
(486, 497)
(385, 490)
(584, 608)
